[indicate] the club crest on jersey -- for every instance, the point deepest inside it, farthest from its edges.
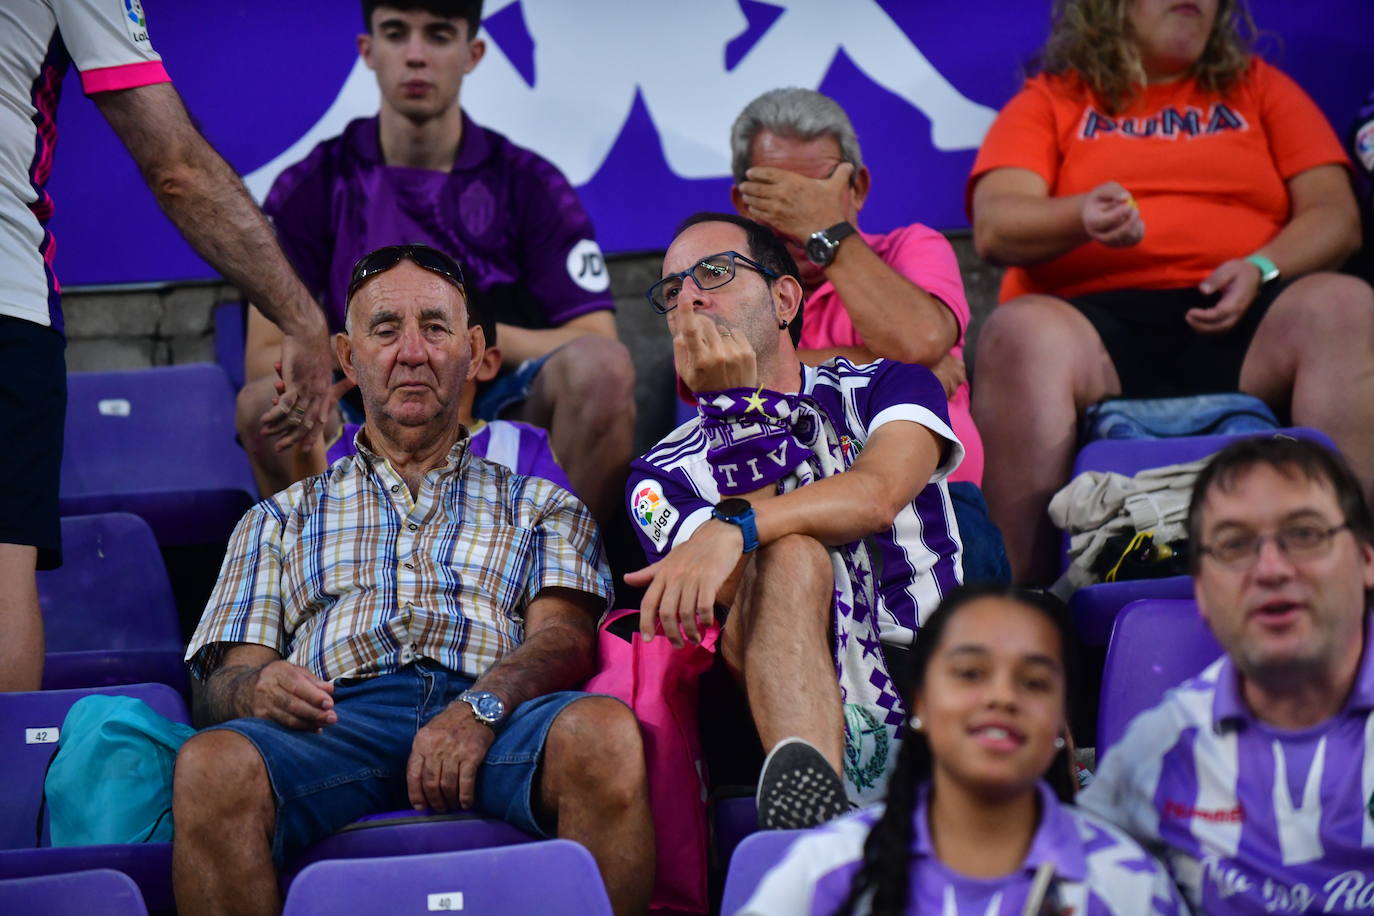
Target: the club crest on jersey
(653, 512)
(849, 449)
(866, 746)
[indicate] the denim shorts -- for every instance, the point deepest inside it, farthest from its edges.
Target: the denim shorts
(500, 394)
(357, 766)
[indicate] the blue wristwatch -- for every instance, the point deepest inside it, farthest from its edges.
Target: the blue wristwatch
(737, 511)
(487, 707)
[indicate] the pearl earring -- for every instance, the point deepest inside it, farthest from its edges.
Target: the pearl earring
(1058, 744)
(915, 723)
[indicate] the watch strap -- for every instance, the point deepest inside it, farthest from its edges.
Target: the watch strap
(1269, 271)
(744, 520)
(840, 231)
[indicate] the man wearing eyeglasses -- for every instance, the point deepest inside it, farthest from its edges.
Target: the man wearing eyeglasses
(406, 629)
(1254, 779)
(809, 504)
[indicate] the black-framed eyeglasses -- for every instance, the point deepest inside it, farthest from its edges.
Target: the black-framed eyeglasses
(383, 259)
(711, 272)
(1301, 541)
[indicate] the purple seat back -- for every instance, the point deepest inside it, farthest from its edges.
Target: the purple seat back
(406, 833)
(734, 818)
(148, 864)
(97, 891)
(231, 330)
(1156, 645)
(552, 876)
(158, 443)
(29, 728)
(1131, 456)
(108, 613)
(754, 856)
(1094, 608)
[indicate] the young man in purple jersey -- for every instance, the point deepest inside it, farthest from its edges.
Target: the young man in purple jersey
(1255, 778)
(422, 171)
(808, 503)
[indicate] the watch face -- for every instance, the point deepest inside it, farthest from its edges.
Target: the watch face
(733, 507)
(820, 250)
(487, 705)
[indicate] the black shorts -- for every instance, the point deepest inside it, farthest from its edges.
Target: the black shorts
(1156, 353)
(33, 405)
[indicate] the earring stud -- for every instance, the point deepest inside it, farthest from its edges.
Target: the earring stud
(915, 723)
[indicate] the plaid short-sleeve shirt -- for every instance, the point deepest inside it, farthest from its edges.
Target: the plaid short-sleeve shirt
(348, 576)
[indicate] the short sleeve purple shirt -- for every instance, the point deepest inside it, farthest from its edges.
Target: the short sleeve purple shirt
(1250, 818)
(510, 218)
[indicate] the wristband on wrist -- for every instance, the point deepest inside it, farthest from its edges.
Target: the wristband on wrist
(1269, 271)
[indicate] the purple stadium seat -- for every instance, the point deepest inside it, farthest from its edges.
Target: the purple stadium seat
(552, 876)
(108, 612)
(230, 332)
(1155, 645)
(406, 833)
(149, 865)
(98, 891)
(756, 854)
(1094, 608)
(29, 725)
(734, 818)
(158, 443)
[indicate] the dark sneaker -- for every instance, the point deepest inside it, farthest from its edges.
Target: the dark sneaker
(798, 788)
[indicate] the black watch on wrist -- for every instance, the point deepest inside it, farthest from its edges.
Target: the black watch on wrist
(821, 246)
(737, 511)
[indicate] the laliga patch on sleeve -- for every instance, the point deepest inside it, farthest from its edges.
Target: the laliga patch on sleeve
(136, 22)
(653, 512)
(587, 267)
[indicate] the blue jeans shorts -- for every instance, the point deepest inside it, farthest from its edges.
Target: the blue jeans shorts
(357, 766)
(508, 389)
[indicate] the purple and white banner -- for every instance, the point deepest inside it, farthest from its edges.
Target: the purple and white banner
(632, 99)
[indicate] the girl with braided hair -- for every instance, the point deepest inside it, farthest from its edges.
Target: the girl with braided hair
(977, 818)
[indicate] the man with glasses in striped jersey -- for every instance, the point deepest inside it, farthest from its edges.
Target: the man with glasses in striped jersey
(1254, 779)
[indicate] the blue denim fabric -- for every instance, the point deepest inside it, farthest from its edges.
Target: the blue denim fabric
(357, 766)
(985, 555)
(508, 389)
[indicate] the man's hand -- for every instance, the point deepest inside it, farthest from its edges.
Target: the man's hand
(442, 772)
(292, 696)
(1111, 217)
(684, 585)
(796, 206)
(307, 370)
(950, 371)
(1238, 282)
(711, 357)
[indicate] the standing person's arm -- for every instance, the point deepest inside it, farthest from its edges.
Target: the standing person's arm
(206, 200)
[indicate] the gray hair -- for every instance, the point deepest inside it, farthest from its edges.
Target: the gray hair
(801, 114)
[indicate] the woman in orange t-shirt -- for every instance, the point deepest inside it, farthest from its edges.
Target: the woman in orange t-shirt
(1167, 205)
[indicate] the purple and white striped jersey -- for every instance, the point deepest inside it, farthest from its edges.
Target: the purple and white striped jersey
(918, 560)
(1098, 870)
(1250, 818)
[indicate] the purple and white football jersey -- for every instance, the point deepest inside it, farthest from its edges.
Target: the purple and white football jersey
(1250, 818)
(671, 490)
(1098, 869)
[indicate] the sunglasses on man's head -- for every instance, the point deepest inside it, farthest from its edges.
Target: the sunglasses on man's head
(383, 259)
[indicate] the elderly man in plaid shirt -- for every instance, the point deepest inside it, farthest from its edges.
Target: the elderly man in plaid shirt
(404, 628)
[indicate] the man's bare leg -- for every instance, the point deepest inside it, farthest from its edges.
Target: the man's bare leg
(21, 620)
(584, 396)
(594, 783)
(1040, 362)
(1314, 353)
(778, 637)
(224, 813)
